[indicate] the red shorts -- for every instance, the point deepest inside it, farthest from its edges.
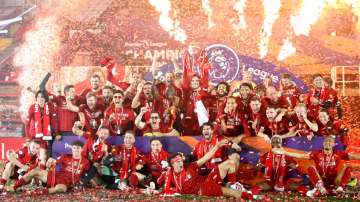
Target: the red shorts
(58, 178)
(212, 185)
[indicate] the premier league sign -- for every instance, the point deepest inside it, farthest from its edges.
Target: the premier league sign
(228, 66)
(225, 63)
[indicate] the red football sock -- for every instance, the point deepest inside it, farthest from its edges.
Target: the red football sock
(313, 174)
(256, 189)
(346, 177)
(2, 181)
(247, 195)
(42, 166)
(133, 180)
(19, 183)
(231, 177)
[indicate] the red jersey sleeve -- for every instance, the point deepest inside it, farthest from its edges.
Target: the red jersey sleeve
(343, 155)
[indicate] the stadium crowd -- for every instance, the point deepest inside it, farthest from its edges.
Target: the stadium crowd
(181, 103)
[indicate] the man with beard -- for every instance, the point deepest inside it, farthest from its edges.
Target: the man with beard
(243, 100)
(106, 97)
(145, 98)
(72, 168)
(204, 146)
(118, 117)
(95, 88)
(194, 88)
(217, 103)
(257, 120)
(233, 125)
(91, 113)
(155, 126)
(276, 168)
(278, 123)
(274, 99)
(42, 123)
(151, 166)
(24, 160)
(289, 90)
(96, 149)
(68, 108)
(304, 125)
(168, 84)
(327, 175)
(126, 159)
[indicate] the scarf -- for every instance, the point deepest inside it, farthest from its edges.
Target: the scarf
(161, 156)
(172, 178)
(127, 163)
(42, 123)
(204, 147)
(275, 171)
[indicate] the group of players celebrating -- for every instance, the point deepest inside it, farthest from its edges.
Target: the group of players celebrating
(180, 102)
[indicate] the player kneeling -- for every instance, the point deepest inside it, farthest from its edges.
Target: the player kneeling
(72, 168)
(182, 179)
(20, 162)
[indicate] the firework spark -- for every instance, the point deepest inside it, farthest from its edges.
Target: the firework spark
(287, 50)
(240, 23)
(271, 8)
(173, 28)
(208, 11)
(308, 15)
(36, 56)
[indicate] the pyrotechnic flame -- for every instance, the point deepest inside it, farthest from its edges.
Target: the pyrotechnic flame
(287, 50)
(355, 5)
(308, 15)
(36, 56)
(271, 8)
(173, 28)
(208, 11)
(240, 23)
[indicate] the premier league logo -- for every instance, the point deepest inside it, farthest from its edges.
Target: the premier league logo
(224, 61)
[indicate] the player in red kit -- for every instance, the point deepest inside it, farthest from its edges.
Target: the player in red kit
(42, 123)
(24, 160)
(72, 169)
(118, 117)
(187, 180)
(151, 166)
(126, 159)
(233, 124)
(217, 103)
(95, 88)
(257, 120)
(276, 168)
(68, 108)
(98, 151)
(278, 123)
(155, 126)
(145, 98)
(328, 127)
(273, 98)
(289, 90)
(194, 89)
(243, 95)
(107, 96)
(327, 176)
(204, 146)
(91, 113)
(304, 126)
